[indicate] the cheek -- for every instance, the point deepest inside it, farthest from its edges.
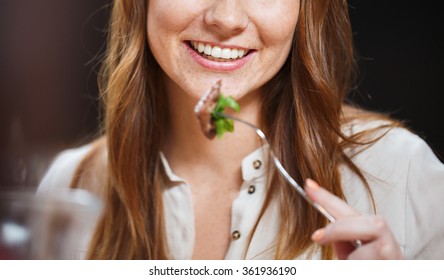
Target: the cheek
(277, 23)
(170, 15)
(166, 20)
(163, 21)
(159, 23)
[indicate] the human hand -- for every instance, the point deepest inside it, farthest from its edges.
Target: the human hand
(377, 239)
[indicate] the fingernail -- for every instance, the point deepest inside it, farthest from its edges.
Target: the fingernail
(318, 235)
(311, 184)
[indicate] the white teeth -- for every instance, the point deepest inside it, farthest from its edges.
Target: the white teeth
(207, 50)
(218, 52)
(200, 47)
(226, 53)
(234, 54)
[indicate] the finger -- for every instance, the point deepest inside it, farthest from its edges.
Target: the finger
(379, 242)
(364, 228)
(343, 249)
(380, 249)
(333, 204)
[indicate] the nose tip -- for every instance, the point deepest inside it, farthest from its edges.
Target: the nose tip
(227, 17)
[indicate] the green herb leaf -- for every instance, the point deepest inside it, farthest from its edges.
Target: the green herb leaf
(222, 124)
(229, 125)
(224, 102)
(220, 127)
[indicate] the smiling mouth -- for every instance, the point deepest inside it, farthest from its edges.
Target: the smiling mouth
(216, 53)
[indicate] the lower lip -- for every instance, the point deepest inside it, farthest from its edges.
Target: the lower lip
(216, 65)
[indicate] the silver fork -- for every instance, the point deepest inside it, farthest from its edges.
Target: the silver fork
(284, 173)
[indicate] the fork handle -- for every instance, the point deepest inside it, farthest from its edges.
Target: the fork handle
(284, 173)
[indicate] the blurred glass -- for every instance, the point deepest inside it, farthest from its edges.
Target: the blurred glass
(39, 226)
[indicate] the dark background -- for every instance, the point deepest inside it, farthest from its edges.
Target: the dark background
(50, 50)
(401, 60)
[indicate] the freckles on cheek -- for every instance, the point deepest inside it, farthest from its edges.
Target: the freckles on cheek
(278, 23)
(168, 15)
(160, 26)
(157, 21)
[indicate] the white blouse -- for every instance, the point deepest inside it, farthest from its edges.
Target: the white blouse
(406, 180)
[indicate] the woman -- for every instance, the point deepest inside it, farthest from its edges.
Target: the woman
(169, 192)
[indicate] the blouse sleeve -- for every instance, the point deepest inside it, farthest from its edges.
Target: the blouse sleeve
(84, 208)
(424, 232)
(60, 173)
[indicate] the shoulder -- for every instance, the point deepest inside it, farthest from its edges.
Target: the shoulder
(406, 181)
(73, 168)
(61, 170)
(386, 151)
(373, 134)
(384, 141)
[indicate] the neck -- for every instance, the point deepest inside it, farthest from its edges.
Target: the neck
(188, 150)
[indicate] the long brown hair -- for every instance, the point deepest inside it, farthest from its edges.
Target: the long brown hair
(302, 112)
(132, 225)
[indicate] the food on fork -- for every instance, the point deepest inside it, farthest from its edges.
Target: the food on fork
(209, 111)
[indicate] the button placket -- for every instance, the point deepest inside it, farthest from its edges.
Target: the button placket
(235, 235)
(246, 206)
(251, 189)
(257, 164)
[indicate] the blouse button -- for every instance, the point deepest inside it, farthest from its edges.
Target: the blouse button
(235, 235)
(257, 164)
(251, 189)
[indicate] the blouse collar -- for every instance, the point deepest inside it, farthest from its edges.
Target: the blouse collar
(253, 166)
